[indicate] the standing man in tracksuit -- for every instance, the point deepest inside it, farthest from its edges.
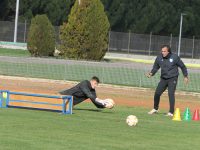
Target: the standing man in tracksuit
(169, 63)
(85, 90)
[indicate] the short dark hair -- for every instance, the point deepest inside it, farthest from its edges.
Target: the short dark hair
(96, 79)
(168, 47)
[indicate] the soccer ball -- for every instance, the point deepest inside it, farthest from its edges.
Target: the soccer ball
(132, 120)
(109, 103)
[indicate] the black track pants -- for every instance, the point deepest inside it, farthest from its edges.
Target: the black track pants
(162, 86)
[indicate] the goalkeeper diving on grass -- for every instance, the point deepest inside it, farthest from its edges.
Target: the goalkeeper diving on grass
(85, 90)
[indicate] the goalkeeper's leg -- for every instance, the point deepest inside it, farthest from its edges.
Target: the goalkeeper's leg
(77, 100)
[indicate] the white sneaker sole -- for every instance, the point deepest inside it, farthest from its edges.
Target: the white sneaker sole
(151, 113)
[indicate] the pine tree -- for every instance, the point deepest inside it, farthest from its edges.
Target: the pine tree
(85, 35)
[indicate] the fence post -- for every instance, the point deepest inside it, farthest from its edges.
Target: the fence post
(25, 31)
(65, 72)
(176, 47)
(129, 40)
(193, 47)
(103, 72)
(170, 42)
(108, 41)
(140, 82)
(150, 43)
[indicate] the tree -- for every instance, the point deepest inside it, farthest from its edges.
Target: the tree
(7, 10)
(41, 37)
(56, 10)
(85, 35)
(160, 17)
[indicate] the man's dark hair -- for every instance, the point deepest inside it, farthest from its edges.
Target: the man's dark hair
(96, 79)
(168, 47)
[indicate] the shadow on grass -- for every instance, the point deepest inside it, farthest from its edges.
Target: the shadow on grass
(31, 108)
(92, 110)
(88, 109)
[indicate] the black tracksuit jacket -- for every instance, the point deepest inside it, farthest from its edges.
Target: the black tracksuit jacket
(81, 92)
(169, 66)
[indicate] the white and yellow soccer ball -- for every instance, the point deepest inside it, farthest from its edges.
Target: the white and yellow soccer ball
(132, 120)
(109, 103)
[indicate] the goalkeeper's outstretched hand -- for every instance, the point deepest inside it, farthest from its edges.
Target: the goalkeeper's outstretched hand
(109, 103)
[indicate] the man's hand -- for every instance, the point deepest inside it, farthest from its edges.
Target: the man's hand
(186, 80)
(148, 75)
(107, 103)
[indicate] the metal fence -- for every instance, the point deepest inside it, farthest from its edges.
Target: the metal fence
(7, 31)
(142, 44)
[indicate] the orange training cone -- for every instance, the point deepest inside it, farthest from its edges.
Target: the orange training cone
(196, 115)
(177, 115)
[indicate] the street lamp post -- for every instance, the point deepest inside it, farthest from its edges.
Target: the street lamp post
(16, 20)
(179, 42)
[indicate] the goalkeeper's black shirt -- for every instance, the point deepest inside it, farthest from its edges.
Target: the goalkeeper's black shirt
(81, 92)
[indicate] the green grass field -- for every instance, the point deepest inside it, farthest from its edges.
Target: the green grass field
(90, 128)
(93, 129)
(13, 52)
